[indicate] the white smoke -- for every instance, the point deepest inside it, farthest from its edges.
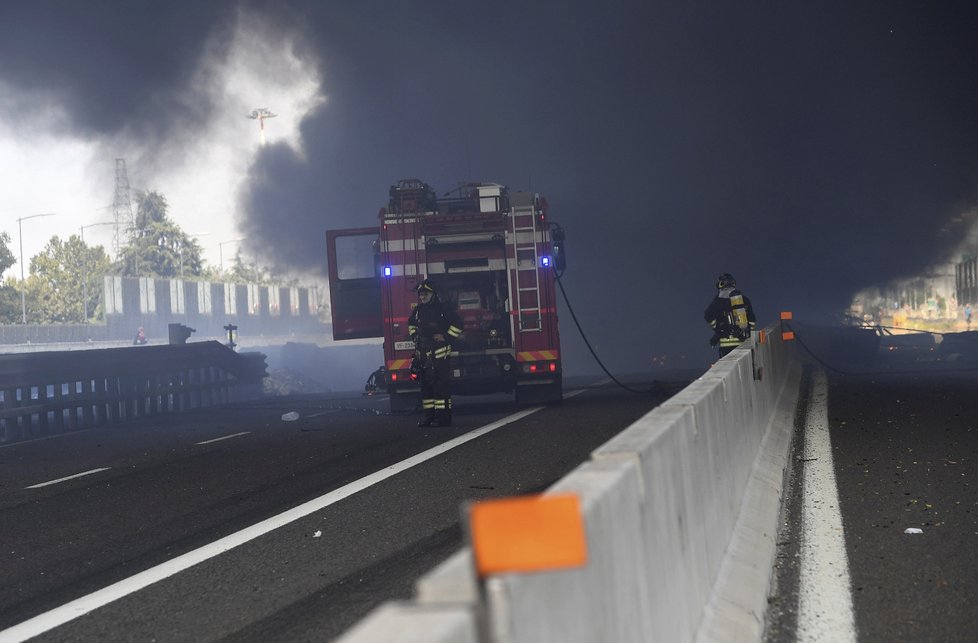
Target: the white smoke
(200, 165)
(202, 168)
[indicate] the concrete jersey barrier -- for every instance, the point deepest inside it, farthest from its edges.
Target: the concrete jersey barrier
(680, 511)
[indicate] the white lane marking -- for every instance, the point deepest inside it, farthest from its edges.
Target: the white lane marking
(46, 437)
(77, 475)
(316, 415)
(81, 606)
(825, 597)
(225, 437)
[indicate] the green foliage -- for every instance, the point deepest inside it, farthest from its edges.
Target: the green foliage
(211, 274)
(242, 273)
(157, 246)
(7, 258)
(10, 312)
(9, 295)
(65, 278)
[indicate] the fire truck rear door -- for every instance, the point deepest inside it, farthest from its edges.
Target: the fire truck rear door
(354, 283)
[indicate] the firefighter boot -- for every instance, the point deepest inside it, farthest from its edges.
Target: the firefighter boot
(430, 413)
(443, 418)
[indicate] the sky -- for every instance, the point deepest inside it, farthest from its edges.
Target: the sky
(811, 149)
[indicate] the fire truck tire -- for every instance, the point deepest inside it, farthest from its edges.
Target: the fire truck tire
(541, 393)
(404, 402)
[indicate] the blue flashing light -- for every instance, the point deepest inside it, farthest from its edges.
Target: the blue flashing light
(545, 262)
(387, 271)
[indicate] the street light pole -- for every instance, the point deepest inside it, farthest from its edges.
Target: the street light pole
(260, 115)
(23, 284)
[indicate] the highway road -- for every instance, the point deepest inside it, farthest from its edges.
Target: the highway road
(903, 451)
(125, 508)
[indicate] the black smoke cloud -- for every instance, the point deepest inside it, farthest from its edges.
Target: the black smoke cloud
(809, 150)
(112, 66)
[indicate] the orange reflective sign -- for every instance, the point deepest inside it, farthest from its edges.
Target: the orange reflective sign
(786, 315)
(527, 534)
(787, 335)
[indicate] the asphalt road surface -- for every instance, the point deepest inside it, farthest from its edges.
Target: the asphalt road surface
(84, 511)
(904, 450)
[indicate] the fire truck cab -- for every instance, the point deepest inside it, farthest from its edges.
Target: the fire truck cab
(491, 252)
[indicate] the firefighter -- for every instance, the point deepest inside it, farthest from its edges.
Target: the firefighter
(432, 325)
(375, 380)
(730, 315)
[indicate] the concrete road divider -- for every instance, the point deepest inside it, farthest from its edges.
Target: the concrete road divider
(680, 513)
(607, 599)
(453, 581)
(414, 623)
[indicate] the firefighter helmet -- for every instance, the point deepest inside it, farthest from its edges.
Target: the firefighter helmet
(726, 280)
(424, 286)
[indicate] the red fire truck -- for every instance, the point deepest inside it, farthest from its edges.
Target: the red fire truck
(492, 252)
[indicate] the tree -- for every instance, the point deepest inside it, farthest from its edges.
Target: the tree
(157, 246)
(211, 274)
(253, 273)
(7, 258)
(9, 295)
(65, 281)
(243, 273)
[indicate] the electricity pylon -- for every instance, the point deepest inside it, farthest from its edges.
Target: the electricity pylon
(121, 206)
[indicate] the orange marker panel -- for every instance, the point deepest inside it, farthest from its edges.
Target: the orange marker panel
(761, 337)
(787, 335)
(786, 315)
(528, 534)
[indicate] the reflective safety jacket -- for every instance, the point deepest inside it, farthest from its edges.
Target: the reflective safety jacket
(731, 317)
(434, 318)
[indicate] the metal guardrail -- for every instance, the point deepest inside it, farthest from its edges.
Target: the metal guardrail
(57, 391)
(54, 333)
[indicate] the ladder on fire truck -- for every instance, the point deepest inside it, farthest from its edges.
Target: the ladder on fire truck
(527, 299)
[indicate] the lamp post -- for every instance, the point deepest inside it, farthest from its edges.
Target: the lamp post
(23, 284)
(260, 115)
(220, 250)
(85, 266)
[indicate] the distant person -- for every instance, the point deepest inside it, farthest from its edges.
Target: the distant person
(967, 315)
(432, 325)
(730, 315)
(140, 337)
(374, 381)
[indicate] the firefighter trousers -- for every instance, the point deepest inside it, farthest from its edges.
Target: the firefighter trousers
(436, 397)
